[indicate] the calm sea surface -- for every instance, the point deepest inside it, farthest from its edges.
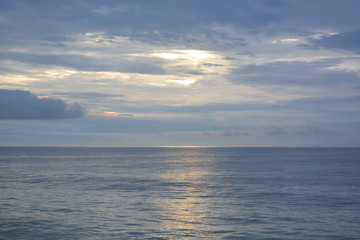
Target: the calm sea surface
(179, 193)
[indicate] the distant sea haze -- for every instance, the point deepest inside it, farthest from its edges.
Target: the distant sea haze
(179, 193)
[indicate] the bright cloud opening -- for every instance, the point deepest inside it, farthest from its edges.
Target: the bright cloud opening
(169, 56)
(182, 82)
(194, 55)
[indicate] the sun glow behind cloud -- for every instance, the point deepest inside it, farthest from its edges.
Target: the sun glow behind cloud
(182, 82)
(192, 55)
(181, 67)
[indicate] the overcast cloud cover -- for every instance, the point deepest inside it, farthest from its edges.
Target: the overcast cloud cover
(166, 72)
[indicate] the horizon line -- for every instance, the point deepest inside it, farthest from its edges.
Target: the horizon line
(170, 146)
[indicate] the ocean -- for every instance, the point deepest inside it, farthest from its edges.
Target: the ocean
(179, 193)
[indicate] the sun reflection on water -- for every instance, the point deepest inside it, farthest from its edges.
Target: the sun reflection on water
(186, 205)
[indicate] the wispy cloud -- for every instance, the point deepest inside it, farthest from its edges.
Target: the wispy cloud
(348, 41)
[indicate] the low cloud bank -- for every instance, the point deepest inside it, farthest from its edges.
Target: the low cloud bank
(275, 131)
(19, 104)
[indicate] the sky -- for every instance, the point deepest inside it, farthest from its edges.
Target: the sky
(120, 73)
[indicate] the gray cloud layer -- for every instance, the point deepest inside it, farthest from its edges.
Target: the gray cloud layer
(275, 131)
(54, 20)
(18, 104)
(349, 41)
(289, 64)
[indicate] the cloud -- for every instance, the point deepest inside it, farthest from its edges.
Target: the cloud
(88, 95)
(19, 104)
(54, 21)
(273, 131)
(73, 61)
(307, 130)
(344, 41)
(315, 73)
(158, 67)
(318, 14)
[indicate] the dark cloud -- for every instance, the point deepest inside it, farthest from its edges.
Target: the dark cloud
(19, 104)
(315, 73)
(307, 130)
(340, 106)
(235, 133)
(348, 106)
(275, 131)
(315, 14)
(349, 41)
(53, 21)
(163, 20)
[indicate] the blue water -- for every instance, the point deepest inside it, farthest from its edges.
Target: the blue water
(179, 193)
